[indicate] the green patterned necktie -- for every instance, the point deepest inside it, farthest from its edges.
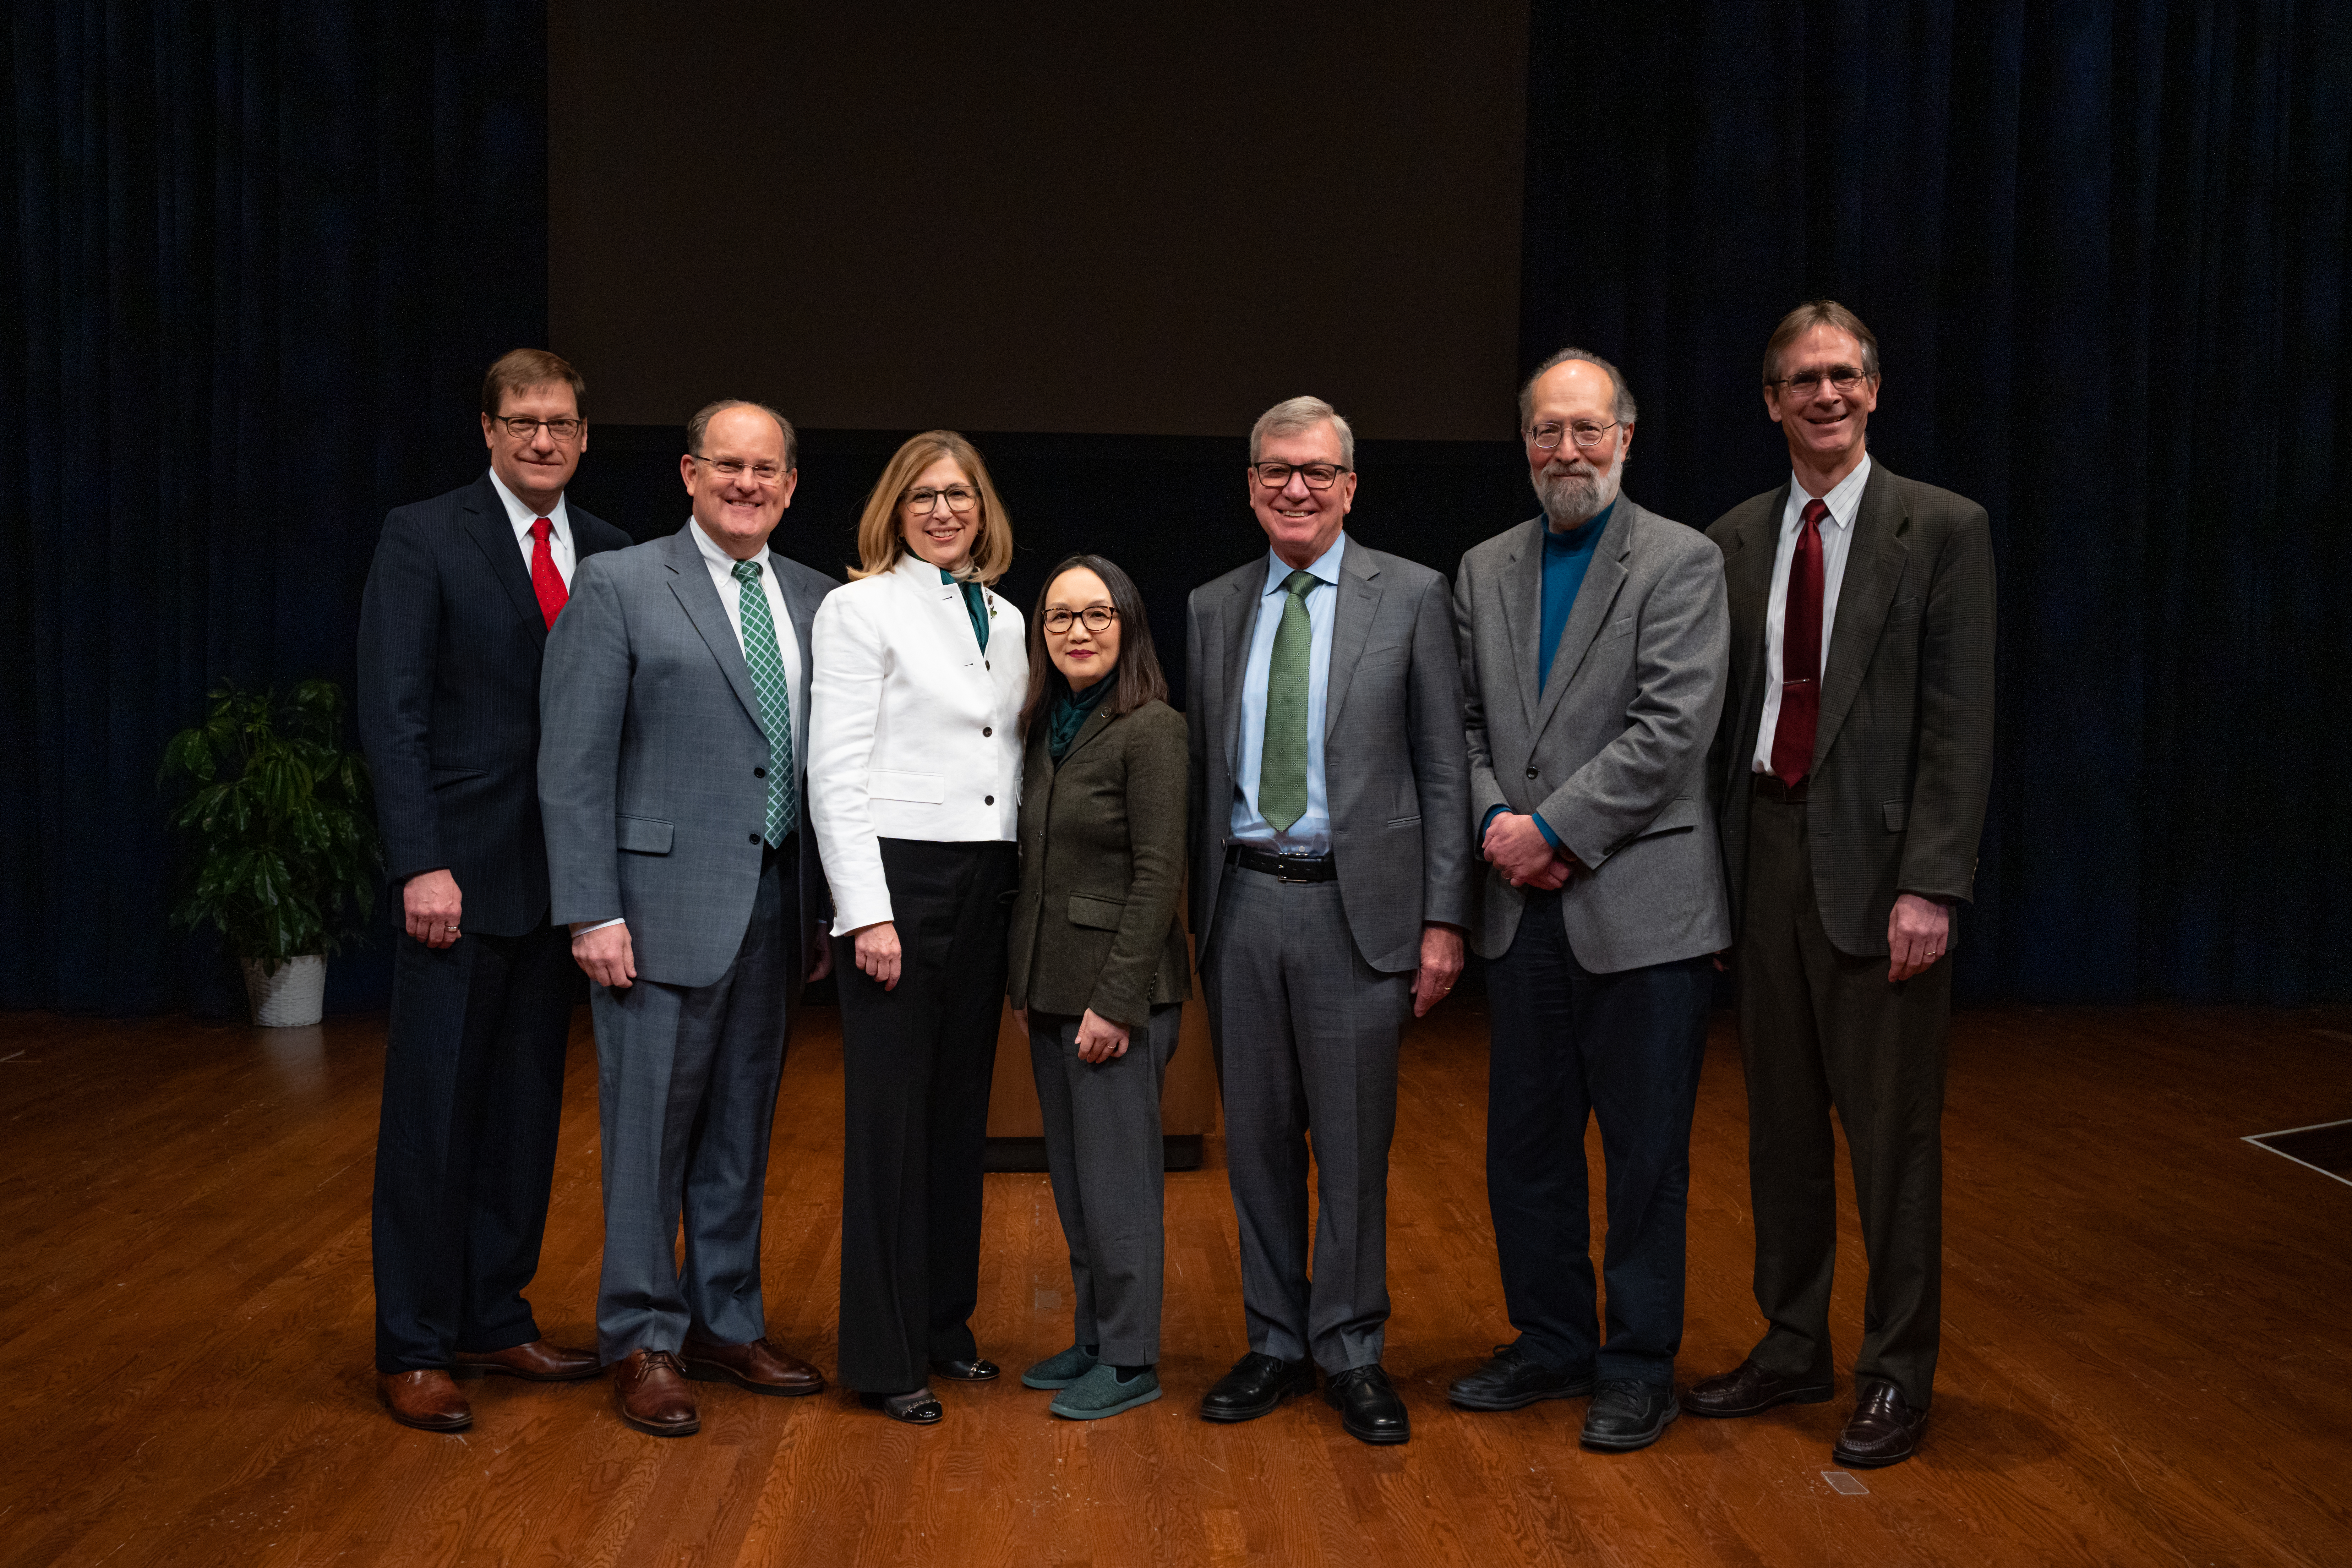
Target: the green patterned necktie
(1282, 764)
(775, 700)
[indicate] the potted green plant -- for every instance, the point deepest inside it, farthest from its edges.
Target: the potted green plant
(286, 841)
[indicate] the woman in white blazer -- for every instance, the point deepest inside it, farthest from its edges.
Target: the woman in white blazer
(914, 787)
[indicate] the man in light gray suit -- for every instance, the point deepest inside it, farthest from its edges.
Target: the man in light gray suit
(674, 713)
(1594, 645)
(1330, 821)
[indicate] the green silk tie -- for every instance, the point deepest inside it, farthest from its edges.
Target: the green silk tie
(1282, 763)
(775, 700)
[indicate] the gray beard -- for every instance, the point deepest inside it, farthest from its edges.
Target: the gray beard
(1572, 499)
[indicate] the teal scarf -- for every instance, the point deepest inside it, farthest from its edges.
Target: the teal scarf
(1071, 711)
(975, 604)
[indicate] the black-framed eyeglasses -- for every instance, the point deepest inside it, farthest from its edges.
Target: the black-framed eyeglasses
(1844, 378)
(1318, 476)
(1096, 618)
(523, 430)
(1584, 434)
(960, 499)
(731, 468)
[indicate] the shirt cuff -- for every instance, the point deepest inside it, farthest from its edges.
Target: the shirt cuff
(600, 925)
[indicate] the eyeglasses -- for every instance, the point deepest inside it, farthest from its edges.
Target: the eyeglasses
(1546, 437)
(1318, 476)
(959, 499)
(729, 468)
(1844, 378)
(523, 430)
(1098, 618)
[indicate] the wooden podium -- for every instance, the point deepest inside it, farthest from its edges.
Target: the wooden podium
(1188, 1106)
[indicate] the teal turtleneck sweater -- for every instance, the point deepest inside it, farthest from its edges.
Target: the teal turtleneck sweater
(1069, 715)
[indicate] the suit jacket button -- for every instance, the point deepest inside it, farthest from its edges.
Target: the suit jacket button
(759, 773)
(755, 839)
(1532, 773)
(988, 800)
(985, 730)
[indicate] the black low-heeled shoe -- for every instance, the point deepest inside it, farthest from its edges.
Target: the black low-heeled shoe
(918, 1408)
(979, 1369)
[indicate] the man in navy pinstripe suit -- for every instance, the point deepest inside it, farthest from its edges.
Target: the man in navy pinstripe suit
(459, 603)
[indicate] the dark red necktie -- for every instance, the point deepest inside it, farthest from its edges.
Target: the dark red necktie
(548, 583)
(1800, 653)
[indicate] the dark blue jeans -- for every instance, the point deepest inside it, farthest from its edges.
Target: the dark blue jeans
(1624, 1049)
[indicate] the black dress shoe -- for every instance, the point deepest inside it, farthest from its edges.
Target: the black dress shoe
(1626, 1414)
(1884, 1430)
(1369, 1405)
(1514, 1380)
(976, 1369)
(916, 1408)
(1255, 1386)
(1749, 1390)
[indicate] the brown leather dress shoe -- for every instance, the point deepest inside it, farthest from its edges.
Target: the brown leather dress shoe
(654, 1395)
(758, 1366)
(1884, 1430)
(425, 1400)
(1749, 1390)
(537, 1362)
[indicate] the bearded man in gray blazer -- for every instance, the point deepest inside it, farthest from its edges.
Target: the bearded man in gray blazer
(1331, 887)
(674, 719)
(1594, 645)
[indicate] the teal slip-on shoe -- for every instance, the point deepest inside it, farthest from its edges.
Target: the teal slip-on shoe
(1059, 1371)
(1101, 1393)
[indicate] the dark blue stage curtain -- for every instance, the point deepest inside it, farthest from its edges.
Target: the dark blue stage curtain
(255, 255)
(2104, 247)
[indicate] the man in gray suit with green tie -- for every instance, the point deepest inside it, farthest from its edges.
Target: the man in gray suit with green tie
(674, 717)
(1330, 892)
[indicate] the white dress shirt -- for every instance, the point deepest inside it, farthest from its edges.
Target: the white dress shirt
(1311, 834)
(558, 539)
(1844, 500)
(788, 640)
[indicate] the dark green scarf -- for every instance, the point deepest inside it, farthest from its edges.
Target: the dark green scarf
(1071, 711)
(975, 604)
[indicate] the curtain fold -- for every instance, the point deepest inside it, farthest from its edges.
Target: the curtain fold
(2103, 245)
(258, 257)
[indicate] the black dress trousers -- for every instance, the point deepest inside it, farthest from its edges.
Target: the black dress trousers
(916, 1064)
(1623, 1050)
(473, 1094)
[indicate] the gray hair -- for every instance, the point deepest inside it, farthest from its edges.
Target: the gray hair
(699, 426)
(1623, 412)
(1293, 415)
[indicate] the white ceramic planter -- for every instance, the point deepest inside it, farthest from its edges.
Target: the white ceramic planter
(295, 995)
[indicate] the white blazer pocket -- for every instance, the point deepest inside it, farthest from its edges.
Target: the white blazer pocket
(885, 784)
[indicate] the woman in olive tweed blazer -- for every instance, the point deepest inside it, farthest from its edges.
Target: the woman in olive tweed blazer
(1099, 962)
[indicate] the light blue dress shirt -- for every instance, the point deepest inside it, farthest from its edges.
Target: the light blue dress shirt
(1311, 834)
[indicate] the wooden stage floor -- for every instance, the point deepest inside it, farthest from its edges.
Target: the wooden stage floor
(2147, 1357)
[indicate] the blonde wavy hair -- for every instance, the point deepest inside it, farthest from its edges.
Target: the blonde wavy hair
(881, 541)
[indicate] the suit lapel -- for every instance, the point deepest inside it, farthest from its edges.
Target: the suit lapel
(1522, 593)
(1240, 615)
(1351, 628)
(803, 604)
(1097, 721)
(1747, 588)
(486, 525)
(1873, 570)
(1593, 598)
(699, 597)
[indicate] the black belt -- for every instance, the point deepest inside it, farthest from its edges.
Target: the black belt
(1770, 788)
(1287, 868)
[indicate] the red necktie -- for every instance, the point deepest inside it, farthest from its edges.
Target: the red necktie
(548, 583)
(1800, 653)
